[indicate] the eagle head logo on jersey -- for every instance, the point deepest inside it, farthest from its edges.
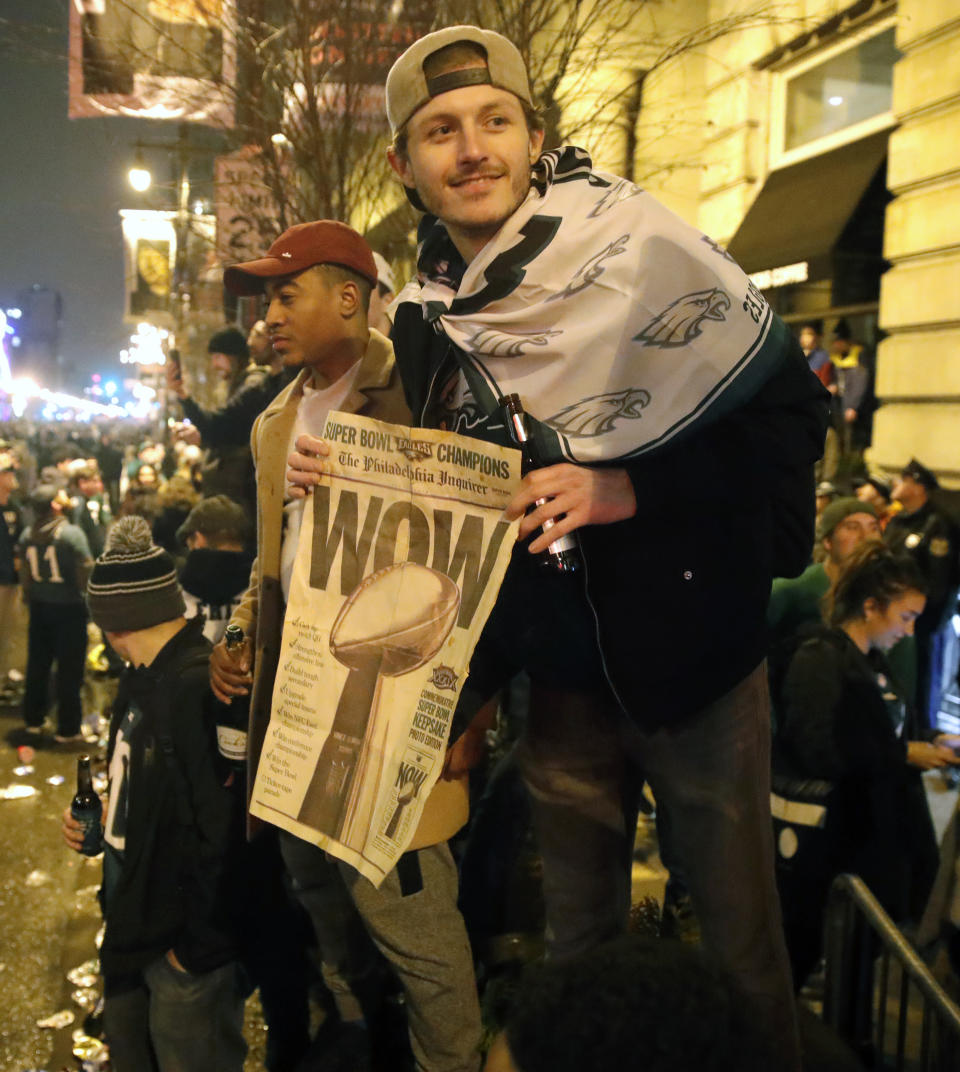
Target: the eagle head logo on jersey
(493, 343)
(681, 321)
(598, 415)
(587, 274)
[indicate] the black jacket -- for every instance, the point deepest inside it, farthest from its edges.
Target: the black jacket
(230, 426)
(94, 517)
(225, 435)
(680, 590)
(834, 725)
(171, 892)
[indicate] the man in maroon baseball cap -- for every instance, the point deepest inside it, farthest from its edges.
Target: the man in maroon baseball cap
(303, 246)
(318, 278)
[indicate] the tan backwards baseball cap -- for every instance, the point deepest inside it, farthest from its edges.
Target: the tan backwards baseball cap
(408, 88)
(300, 247)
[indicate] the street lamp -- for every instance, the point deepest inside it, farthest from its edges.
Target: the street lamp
(139, 176)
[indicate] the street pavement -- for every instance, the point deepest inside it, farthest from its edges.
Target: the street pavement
(47, 906)
(49, 916)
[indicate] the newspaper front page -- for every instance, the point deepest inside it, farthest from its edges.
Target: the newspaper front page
(401, 554)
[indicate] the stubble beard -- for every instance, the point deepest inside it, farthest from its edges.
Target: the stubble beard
(474, 229)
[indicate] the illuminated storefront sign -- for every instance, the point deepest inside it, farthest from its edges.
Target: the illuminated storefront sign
(781, 277)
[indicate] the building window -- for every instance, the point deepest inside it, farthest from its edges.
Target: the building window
(834, 96)
(842, 91)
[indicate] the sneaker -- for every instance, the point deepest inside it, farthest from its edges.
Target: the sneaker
(34, 731)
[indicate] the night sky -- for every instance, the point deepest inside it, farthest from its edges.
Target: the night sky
(62, 183)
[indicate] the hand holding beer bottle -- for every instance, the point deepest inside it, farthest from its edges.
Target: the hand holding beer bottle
(230, 668)
(234, 715)
(81, 826)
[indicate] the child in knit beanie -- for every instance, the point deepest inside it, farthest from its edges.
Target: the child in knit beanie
(133, 584)
(173, 992)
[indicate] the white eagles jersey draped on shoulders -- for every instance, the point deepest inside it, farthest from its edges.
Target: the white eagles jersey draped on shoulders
(621, 324)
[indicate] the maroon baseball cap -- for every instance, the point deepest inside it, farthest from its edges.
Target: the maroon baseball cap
(301, 247)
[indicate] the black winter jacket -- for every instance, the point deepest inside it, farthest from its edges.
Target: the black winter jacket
(230, 425)
(833, 725)
(680, 590)
(171, 892)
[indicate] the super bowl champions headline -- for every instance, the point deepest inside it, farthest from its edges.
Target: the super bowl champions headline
(452, 456)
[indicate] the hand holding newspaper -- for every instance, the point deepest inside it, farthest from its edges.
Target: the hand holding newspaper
(402, 551)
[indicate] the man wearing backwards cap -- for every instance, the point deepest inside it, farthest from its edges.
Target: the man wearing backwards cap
(318, 278)
(650, 365)
(922, 530)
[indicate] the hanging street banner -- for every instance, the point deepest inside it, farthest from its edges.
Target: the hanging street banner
(153, 59)
(401, 555)
(245, 206)
(150, 250)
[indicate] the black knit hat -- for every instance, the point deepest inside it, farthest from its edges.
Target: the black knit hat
(133, 584)
(230, 341)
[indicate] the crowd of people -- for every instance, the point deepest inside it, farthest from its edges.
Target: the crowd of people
(646, 666)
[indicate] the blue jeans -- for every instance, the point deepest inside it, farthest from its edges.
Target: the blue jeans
(172, 1021)
(584, 765)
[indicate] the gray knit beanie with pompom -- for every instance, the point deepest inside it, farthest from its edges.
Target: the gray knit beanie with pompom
(133, 584)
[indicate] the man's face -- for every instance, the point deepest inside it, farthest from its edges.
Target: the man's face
(808, 339)
(147, 476)
(222, 365)
(90, 486)
(849, 533)
(468, 157)
(909, 493)
(377, 314)
(304, 318)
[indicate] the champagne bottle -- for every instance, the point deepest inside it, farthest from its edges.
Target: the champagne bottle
(86, 809)
(233, 717)
(563, 555)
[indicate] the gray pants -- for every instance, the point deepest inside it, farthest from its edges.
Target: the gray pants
(584, 765)
(420, 933)
(175, 1021)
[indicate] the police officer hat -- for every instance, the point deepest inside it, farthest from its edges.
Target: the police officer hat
(920, 474)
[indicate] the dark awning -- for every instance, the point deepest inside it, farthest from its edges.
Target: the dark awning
(802, 209)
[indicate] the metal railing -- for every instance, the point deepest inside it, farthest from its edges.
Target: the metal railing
(878, 994)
